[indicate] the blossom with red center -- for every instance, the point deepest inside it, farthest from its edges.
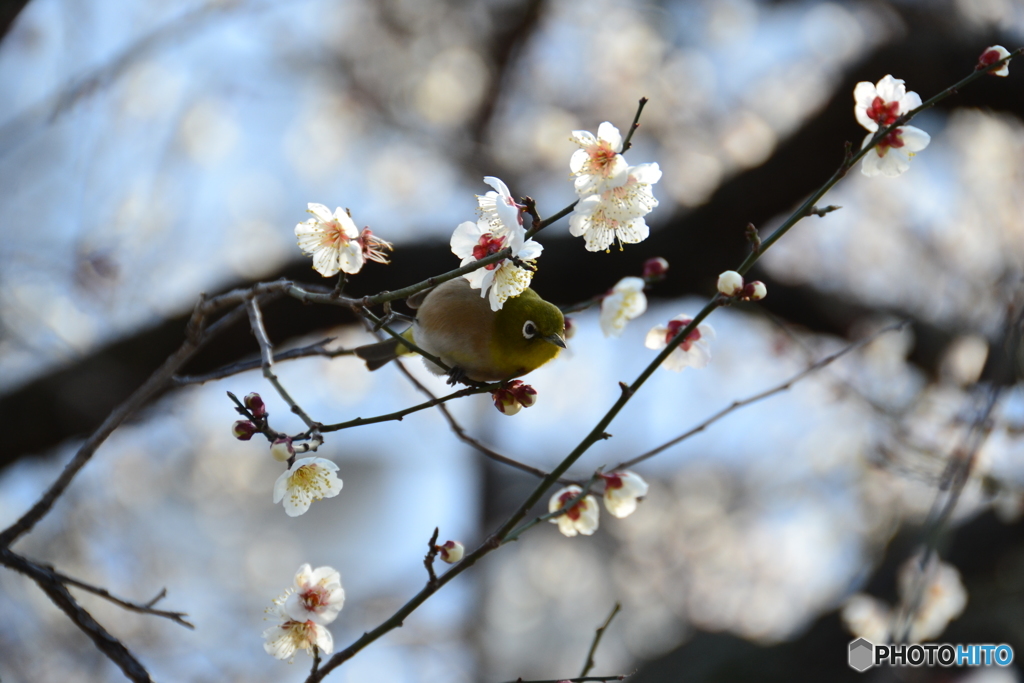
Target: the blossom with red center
(891, 156)
(879, 105)
(990, 56)
(317, 595)
(514, 397)
(498, 228)
(332, 240)
(597, 165)
(622, 491)
(581, 518)
(692, 352)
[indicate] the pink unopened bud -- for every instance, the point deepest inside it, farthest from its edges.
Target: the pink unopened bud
(524, 393)
(514, 397)
(755, 291)
(243, 430)
(282, 449)
(655, 269)
(990, 56)
(451, 551)
(255, 405)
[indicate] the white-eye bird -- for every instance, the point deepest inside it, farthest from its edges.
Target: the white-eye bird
(455, 324)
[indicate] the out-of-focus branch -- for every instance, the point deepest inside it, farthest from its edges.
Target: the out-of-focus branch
(317, 349)
(735, 405)
(58, 593)
(589, 663)
(460, 432)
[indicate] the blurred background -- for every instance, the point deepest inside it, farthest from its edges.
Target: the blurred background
(151, 151)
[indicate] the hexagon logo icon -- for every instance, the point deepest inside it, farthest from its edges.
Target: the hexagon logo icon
(862, 654)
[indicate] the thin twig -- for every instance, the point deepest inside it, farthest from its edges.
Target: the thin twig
(628, 141)
(147, 608)
(317, 349)
(399, 414)
(950, 487)
(428, 559)
(578, 679)
(460, 432)
(735, 405)
(267, 356)
(59, 595)
(589, 663)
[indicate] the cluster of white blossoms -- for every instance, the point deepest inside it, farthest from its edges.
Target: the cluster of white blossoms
(305, 609)
(614, 196)
(943, 599)
(622, 492)
(499, 226)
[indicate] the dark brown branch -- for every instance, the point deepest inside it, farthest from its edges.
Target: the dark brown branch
(58, 593)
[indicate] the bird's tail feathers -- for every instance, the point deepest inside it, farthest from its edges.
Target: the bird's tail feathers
(380, 354)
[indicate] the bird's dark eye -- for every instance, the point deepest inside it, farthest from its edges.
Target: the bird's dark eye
(529, 329)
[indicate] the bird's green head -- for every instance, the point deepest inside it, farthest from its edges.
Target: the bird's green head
(528, 333)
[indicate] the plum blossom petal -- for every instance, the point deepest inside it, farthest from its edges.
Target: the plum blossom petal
(625, 302)
(498, 207)
(693, 352)
(307, 480)
(331, 239)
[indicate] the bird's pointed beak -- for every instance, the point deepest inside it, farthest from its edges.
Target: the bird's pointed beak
(556, 340)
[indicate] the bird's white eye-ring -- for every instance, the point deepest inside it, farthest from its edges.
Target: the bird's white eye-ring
(529, 329)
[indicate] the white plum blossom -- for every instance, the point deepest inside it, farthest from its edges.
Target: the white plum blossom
(993, 54)
(878, 106)
(617, 214)
(317, 595)
(891, 157)
(624, 302)
(306, 480)
(581, 518)
(692, 352)
(284, 639)
(498, 228)
(622, 490)
(331, 239)
(598, 165)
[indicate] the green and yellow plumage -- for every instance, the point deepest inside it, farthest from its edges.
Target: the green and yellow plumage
(455, 324)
